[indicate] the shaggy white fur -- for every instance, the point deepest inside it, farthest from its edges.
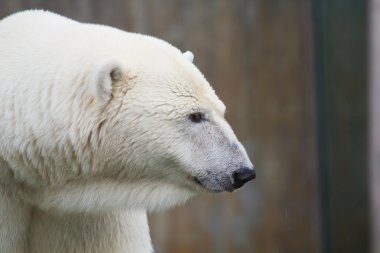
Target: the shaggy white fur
(97, 126)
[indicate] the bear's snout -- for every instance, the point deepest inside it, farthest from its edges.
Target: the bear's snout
(226, 181)
(242, 176)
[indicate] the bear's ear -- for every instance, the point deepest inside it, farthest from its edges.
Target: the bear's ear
(189, 56)
(103, 78)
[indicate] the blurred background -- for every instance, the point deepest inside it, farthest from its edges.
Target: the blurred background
(300, 84)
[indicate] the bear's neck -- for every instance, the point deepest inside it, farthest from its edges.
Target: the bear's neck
(26, 229)
(122, 231)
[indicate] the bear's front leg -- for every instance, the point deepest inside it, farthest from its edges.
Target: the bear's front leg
(14, 220)
(15, 214)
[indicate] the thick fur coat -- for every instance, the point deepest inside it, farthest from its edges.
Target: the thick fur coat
(98, 126)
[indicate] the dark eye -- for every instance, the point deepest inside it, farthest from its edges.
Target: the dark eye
(197, 117)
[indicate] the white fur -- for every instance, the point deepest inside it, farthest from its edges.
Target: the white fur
(189, 56)
(94, 132)
(102, 79)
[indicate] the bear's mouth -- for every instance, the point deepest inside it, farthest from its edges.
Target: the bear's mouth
(195, 180)
(198, 182)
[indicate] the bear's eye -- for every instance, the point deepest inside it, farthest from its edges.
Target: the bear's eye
(197, 117)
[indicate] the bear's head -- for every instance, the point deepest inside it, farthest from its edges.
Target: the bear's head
(164, 126)
(156, 134)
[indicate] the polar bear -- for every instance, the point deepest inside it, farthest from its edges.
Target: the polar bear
(97, 127)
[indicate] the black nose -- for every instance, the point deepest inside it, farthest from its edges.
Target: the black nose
(242, 176)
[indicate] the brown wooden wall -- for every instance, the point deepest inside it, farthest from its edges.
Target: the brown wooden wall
(258, 57)
(375, 122)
